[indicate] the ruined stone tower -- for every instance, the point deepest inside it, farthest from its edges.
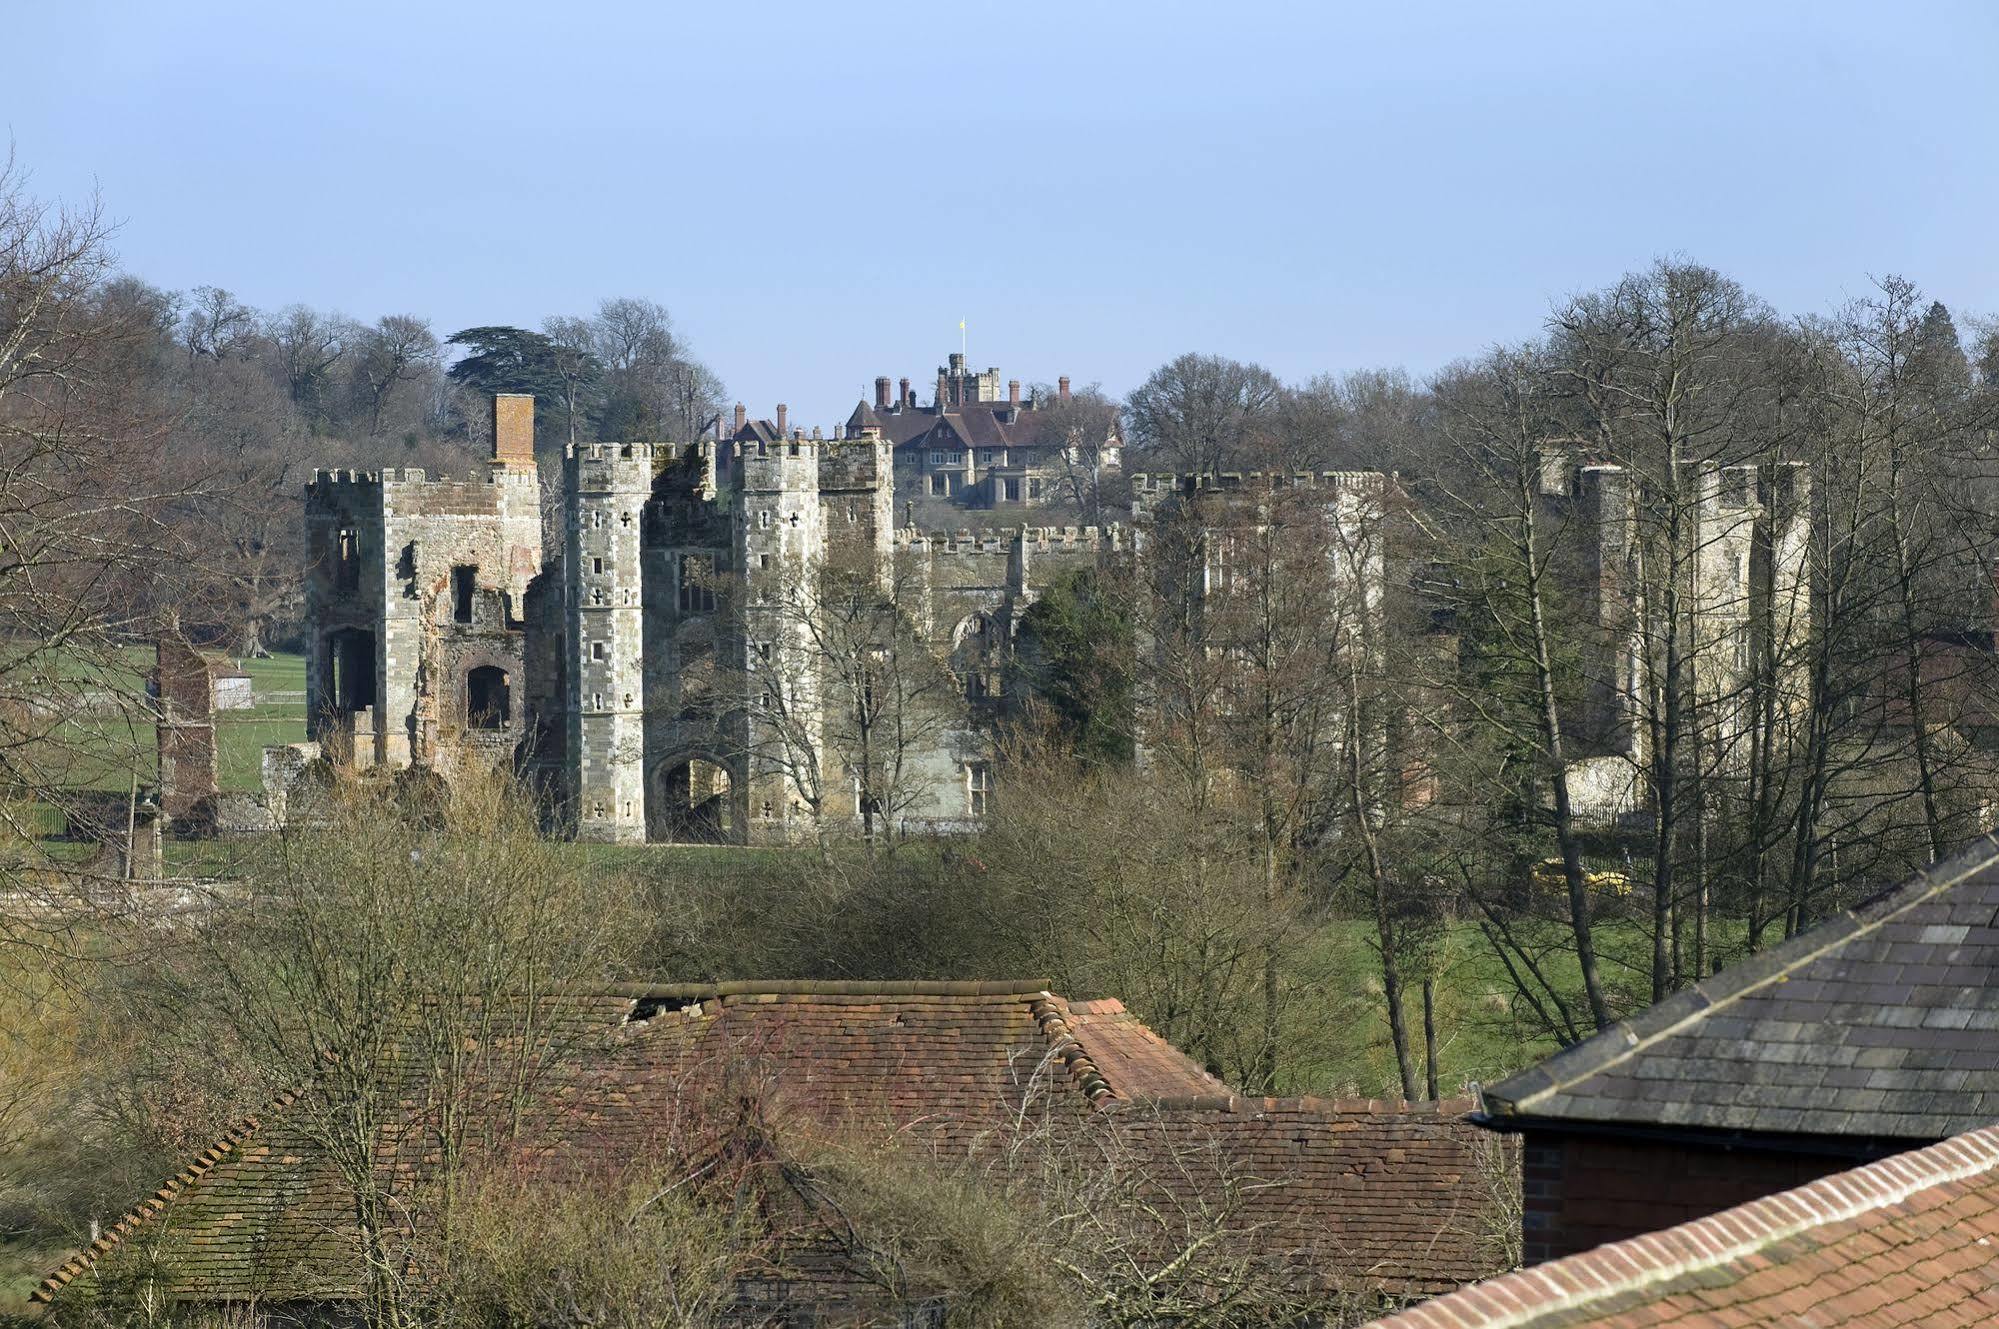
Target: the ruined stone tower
(607, 486)
(415, 596)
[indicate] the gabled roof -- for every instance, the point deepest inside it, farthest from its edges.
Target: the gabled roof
(756, 431)
(1908, 1240)
(1396, 1197)
(260, 1214)
(1878, 1026)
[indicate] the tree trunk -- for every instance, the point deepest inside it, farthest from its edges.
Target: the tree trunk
(1430, 1038)
(1558, 773)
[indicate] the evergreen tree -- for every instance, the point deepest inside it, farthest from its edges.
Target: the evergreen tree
(1938, 361)
(504, 359)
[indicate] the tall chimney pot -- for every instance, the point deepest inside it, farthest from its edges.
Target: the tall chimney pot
(1062, 387)
(740, 415)
(881, 392)
(942, 383)
(908, 397)
(783, 412)
(1013, 392)
(513, 429)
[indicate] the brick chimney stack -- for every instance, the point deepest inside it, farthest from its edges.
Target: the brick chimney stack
(1062, 387)
(942, 381)
(513, 430)
(1013, 392)
(783, 413)
(881, 392)
(741, 415)
(907, 398)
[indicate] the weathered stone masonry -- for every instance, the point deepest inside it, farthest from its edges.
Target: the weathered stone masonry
(618, 677)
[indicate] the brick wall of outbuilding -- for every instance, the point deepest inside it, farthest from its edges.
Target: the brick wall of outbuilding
(1580, 1191)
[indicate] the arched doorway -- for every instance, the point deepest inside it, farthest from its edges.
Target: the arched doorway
(692, 800)
(488, 698)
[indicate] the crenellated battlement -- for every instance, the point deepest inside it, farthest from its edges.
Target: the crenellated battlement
(1037, 538)
(1181, 482)
(616, 452)
(408, 491)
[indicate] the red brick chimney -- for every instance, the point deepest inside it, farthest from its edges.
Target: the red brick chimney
(740, 415)
(1062, 387)
(513, 430)
(941, 380)
(1013, 392)
(881, 392)
(783, 412)
(907, 398)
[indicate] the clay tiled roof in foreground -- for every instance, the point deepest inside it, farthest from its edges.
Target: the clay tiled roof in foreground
(1366, 1194)
(1389, 1198)
(1909, 1240)
(1879, 1024)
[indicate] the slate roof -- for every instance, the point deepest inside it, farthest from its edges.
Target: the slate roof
(1908, 1240)
(1877, 1028)
(975, 424)
(1394, 1195)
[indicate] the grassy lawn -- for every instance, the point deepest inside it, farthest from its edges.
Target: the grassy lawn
(106, 749)
(1338, 1041)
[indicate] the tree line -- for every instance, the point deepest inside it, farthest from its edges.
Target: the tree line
(1434, 765)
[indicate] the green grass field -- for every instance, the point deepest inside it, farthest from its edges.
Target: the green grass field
(106, 750)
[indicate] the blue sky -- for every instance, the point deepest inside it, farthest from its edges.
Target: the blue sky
(820, 192)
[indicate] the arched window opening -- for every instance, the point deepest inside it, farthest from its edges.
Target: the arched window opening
(350, 658)
(488, 703)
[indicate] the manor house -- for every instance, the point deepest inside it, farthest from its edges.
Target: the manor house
(669, 673)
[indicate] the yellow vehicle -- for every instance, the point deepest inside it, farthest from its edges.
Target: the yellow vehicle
(1614, 882)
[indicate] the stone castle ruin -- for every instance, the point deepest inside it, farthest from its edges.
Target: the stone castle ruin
(649, 675)
(1742, 577)
(665, 675)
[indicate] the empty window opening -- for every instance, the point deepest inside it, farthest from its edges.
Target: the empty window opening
(347, 559)
(697, 584)
(597, 651)
(463, 579)
(488, 698)
(597, 566)
(351, 669)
